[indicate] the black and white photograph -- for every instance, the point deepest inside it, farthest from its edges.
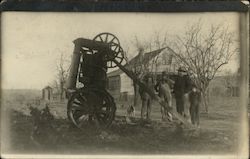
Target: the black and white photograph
(132, 84)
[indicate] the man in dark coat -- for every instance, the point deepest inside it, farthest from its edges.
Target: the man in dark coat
(181, 87)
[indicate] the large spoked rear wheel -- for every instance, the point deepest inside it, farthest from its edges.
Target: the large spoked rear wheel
(91, 107)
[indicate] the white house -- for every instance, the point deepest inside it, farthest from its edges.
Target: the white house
(120, 85)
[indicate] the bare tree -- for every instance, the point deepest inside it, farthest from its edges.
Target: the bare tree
(159, 41)
(203, 53)
(140, 66)
(55, 85)
(62, 68)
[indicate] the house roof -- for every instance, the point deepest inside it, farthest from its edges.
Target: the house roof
(47, 87)
(146, 58)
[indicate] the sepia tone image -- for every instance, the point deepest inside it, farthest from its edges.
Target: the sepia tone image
(122, 84)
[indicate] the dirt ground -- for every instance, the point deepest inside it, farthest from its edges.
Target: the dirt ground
(218, 133)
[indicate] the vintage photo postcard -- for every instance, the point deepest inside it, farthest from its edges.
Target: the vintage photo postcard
(124, 84)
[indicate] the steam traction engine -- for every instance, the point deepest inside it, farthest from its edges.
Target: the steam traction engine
(90, 61)
(92, 103)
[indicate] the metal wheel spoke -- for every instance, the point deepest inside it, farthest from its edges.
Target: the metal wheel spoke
(101, 38)
(112, 40)
(83, 118)
(102, 111)
(78, 117)
(116, 49)
(106, 38)
(118, 57)
(114, 44)
(81, 99)
(102, 118)
(110, 65)
(77, 103)
(74, 107)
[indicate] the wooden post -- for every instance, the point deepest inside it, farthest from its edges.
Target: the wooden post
(243, 81)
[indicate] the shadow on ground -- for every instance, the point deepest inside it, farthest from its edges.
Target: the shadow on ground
(60, 137)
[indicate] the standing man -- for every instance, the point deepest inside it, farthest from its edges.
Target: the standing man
(180, 90)
(146, 99)
(187, 90)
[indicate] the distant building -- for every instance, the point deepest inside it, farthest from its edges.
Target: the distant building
(120, 85)
(47, 93)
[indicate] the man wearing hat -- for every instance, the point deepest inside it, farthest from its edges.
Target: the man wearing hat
(181, 87)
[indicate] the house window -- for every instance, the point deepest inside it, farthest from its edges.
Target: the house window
(167, 59)
(114, 83)
(124, 96)
(164, 59)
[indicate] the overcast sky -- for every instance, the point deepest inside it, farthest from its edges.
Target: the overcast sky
(32, 42)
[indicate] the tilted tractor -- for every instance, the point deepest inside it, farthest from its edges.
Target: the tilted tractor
(91, 103)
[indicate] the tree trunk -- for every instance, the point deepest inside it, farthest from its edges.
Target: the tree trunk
(204, 101)
(61, 90)
(136, 93)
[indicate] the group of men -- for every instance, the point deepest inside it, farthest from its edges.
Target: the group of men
(185, 92)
